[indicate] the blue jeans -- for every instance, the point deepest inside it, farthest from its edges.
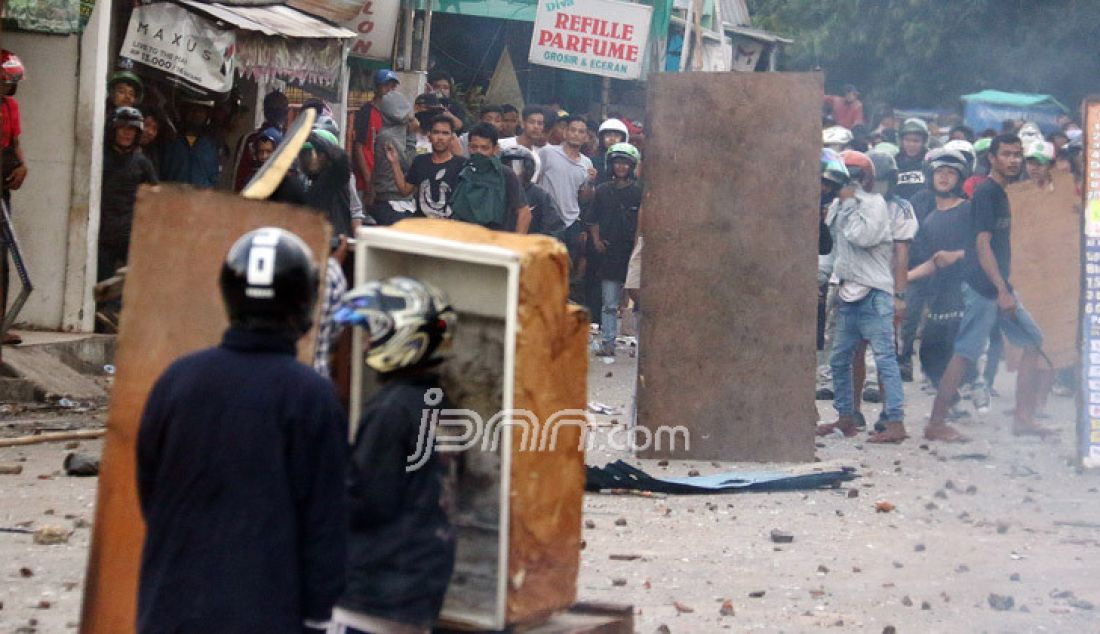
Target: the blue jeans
(609, 317)
(871, 318)
(981, 315)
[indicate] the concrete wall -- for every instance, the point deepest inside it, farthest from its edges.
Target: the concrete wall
(47, 101)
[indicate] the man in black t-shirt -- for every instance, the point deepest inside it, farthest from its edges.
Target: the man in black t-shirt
(612, 222)
(432, 177)
(990, 300)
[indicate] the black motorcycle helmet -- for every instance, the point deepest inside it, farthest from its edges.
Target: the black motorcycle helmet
(269, 282)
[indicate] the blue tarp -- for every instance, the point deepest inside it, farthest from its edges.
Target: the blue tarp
(989, 108)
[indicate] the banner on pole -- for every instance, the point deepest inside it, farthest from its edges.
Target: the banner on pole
(171, 39)
(1088, 421)
(599, 37)
(375, 29)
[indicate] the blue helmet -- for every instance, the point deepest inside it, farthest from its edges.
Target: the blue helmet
(385, 75)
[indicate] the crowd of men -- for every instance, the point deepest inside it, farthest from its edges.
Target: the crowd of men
(916, 245)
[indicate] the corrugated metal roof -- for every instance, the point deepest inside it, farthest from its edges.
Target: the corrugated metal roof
(735, 12)
(336, 11)
(756, 34)
(271, 20)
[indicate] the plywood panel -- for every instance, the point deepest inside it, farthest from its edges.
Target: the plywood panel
(172, 306)
(728, 292)
(1046, 261)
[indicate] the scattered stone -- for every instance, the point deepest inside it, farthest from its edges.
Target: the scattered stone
(971, 490)
(1063, 594)
(924, 447)
(727, 608)
(72, 445)
(950, 485)
(662, 463)
(589, 524)
(1024, 608)
(1014, 576)
(919, 548)
(694, 473)
(26, 572)
(681, 608)
(924, 605)
(882, 506)
(946, 597)
(962, 568)
(853, 493)
(620, 522)
(1001, 602)
(1081, 604)
(618, 582)
(781, 537)
(931, 506)
(940, 494)
(80, 522)
(906, 601)
(898, 564)
(756, 594)
(11, 469)
(857, 569)
(823, 570)
(44, 605)
(629, 557)
(50, 535)
(1002, 528)
(609, 375)
(663, 629)
(889, 629)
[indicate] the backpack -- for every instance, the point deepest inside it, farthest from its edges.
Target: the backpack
(481, 195)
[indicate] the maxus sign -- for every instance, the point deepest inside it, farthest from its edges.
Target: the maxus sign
(601, 37)
(176, 41)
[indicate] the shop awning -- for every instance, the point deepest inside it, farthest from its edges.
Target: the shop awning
(271, 20)
(759, 35)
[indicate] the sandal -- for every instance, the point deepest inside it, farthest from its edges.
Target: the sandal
(849, 430)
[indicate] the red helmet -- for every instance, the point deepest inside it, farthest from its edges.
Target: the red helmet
(11, 67)
(860, 167)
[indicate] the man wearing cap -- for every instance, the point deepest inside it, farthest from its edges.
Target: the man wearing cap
(366, 128)
(847, 110)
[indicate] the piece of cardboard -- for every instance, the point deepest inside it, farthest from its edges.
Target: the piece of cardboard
(172, 306)
(728, 293)
(1046, 261)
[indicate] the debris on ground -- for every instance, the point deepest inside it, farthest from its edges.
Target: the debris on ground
(51, 535)
(781, 537)
(1001, 602)
(81, 465)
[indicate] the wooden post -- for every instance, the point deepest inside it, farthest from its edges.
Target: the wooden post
(426, 38)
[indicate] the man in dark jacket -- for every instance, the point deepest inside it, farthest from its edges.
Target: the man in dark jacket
(241, 462)
(328, 170)
(401, 549)
(124, 169)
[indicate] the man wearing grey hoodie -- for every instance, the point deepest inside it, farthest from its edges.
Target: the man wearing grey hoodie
(390, 205)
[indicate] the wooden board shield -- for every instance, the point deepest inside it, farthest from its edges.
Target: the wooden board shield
(1046, 261)
(172, 307)
(728, 293)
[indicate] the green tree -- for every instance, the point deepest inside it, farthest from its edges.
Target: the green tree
(926, 53)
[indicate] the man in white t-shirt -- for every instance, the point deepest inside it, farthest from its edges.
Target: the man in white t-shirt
(533, 135)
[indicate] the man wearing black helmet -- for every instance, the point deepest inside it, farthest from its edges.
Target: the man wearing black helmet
(124, 169)
(913, 139)
(241, 464)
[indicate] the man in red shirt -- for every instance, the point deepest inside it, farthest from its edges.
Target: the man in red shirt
(847, 110)
(367, 126)
(12, 165)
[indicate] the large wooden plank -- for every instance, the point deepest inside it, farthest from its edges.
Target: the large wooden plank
(728, 297)
(172, 307)
(1046, 261)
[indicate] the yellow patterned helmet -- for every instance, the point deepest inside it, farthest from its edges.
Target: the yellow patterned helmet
(410, 323)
